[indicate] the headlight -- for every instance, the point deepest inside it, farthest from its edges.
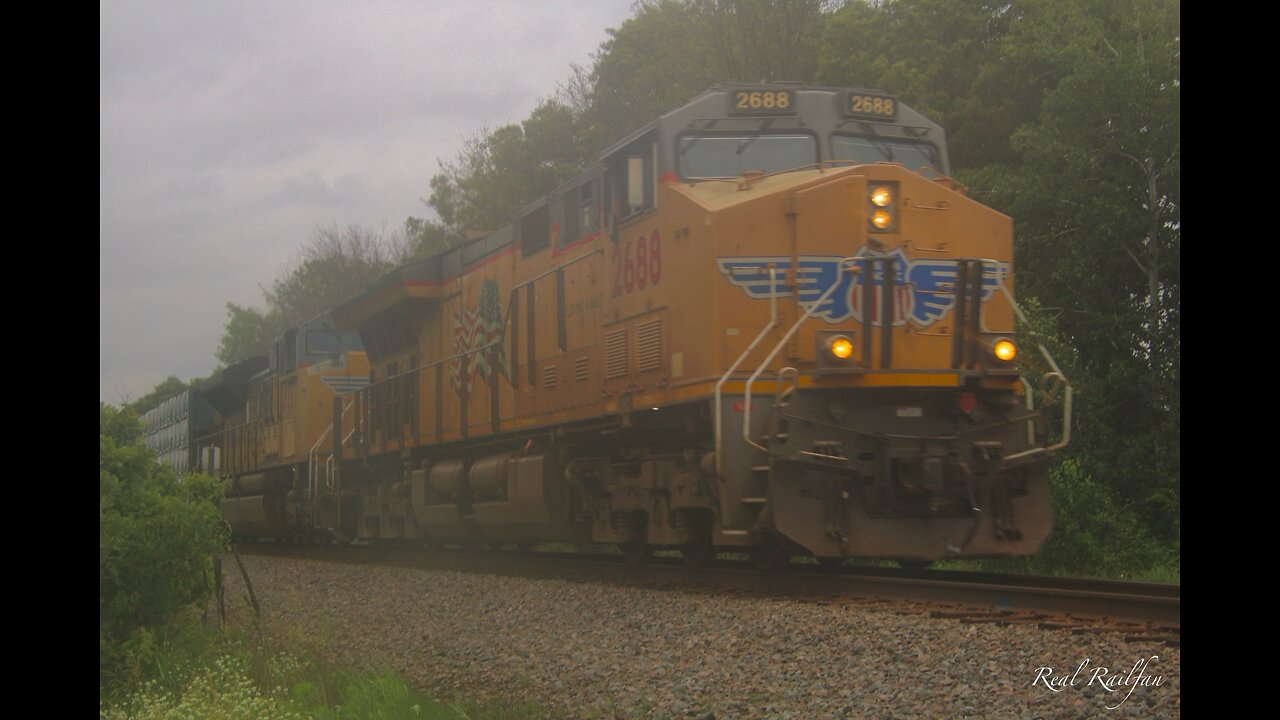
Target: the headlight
(834, 351)
(1005, 350)
(881, 195)
(840, 347)
(882, 210)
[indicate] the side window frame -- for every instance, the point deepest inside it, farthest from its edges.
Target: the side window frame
(535, 229)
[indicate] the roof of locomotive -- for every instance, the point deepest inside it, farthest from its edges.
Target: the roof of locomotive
(818, 113)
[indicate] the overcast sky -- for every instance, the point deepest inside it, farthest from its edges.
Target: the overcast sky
(230, 130)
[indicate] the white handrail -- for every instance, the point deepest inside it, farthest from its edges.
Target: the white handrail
(773, 321)
(313, 470)
(746, 400)
(1055, 373)
(329, 464)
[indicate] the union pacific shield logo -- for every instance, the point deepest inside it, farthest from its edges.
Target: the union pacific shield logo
(922, 289)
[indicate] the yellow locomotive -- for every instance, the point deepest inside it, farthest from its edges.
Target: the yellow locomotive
(766, 321)
(271, 442)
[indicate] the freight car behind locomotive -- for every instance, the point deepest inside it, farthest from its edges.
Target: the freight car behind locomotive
(767, 320)
(170, 428)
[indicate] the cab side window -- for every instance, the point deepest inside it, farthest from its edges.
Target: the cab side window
(535, 230)
(578, 212)
(632, 180)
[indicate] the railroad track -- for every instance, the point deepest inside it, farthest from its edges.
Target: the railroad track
(1138, 610)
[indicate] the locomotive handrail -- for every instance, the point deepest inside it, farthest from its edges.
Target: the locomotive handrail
(773, 320)
(226, 440)
(329, 465)
(746, 400)
(313, 471)
(1056, 372)
(420, 368)
(554, 270)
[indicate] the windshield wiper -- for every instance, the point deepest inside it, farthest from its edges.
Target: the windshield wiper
(744, 143)
(885, 149)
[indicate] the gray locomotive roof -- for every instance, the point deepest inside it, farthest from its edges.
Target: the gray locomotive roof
(709, 106)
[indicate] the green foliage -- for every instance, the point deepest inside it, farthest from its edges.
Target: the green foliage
(334, 266)
(501, 171)
(1098, 533)
(248, 333)
(670, 51)
(940, 56)
(169, 387)
(225, 676)
(655, 61)
(157, 533)
(1096, 199)
(428, 237)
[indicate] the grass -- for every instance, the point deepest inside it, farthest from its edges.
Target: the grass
(1167, 571)
(198, 674)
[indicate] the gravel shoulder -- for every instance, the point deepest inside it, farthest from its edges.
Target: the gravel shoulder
(597, 651)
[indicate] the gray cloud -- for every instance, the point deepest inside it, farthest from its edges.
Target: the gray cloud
(230, 130)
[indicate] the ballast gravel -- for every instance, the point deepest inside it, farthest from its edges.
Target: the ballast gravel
(586, 650)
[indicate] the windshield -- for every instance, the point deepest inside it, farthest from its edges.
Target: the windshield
(724, 156)
(863, 149)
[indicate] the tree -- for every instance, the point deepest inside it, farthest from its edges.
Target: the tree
(1096, 198)
(667, 53)
(157, 534)
(499, 172)
(670, 51)
(248, 333)
(334, 266)
(169, 387)
(942, 57)
(337, 264)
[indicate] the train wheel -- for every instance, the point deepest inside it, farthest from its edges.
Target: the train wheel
(768, 554)
(636, 553)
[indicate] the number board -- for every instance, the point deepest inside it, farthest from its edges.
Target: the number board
(762, 101)
(870, 105)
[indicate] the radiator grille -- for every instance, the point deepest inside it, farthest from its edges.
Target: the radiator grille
(615, 353)
(649, 345)
(580, 369)
(548, 376)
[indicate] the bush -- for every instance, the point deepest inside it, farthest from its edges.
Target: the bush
(228, 675)
(157, 535)
(1099, 535)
